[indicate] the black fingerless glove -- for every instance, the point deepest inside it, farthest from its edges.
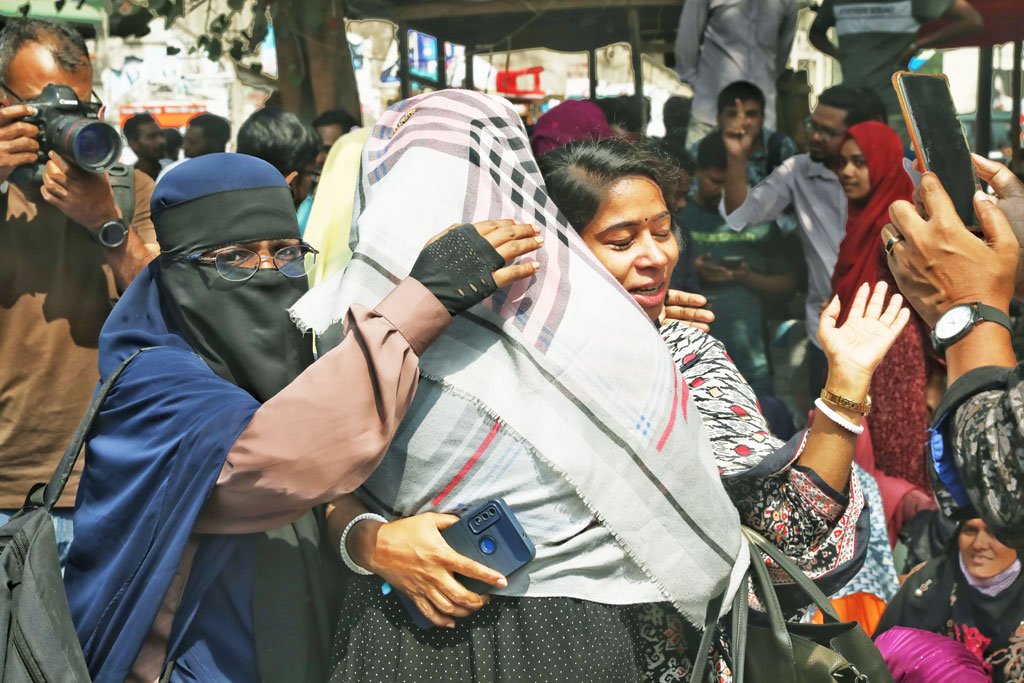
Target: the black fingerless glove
(458, 268)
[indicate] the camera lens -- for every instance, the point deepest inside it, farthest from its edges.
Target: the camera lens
(94, 146)
(487, 546)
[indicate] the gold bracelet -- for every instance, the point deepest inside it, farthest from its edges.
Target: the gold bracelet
(843, 402)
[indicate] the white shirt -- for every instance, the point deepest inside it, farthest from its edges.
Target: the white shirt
(723, 41)
(817, 197)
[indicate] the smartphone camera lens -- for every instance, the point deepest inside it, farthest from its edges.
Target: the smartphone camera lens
(487, 546)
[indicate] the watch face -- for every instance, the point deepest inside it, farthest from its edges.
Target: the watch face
(953, 321)
(112, 234)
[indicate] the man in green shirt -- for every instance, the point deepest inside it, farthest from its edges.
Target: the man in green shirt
(737, 270)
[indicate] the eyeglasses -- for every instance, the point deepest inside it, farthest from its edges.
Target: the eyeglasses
(93, 107)
(811, 127)
(238, 265)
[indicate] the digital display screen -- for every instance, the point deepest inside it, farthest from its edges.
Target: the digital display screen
(940, 139)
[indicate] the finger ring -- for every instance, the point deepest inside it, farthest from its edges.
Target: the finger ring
(892, 243)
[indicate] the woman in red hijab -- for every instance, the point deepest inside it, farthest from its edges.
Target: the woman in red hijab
(872, 175)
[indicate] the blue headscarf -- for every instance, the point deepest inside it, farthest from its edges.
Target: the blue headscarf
(162, 436)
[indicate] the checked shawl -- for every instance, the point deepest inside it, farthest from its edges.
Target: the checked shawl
(564, 367)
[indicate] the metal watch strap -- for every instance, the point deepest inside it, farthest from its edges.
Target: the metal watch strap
(835, 399)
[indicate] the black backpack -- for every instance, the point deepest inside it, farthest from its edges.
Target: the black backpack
(38, 643)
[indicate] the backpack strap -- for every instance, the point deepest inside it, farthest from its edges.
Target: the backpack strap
(122, 181)
(48, 495)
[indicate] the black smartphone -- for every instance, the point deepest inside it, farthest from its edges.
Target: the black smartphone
(938, 137)
(731, 262)
(490, 534)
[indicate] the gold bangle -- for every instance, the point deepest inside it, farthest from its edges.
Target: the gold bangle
(843, 402)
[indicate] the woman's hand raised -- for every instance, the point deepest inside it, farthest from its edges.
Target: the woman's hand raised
(465, 264)
(856, 348)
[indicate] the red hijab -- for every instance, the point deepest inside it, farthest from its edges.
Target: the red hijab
(862, 251)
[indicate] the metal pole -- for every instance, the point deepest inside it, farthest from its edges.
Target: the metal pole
(442, 64)
(403, 61)
(637, 59)
(470, 83)
(592, 72)
(983, 132)
(1016, 163)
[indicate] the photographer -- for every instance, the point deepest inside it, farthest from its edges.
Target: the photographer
(962, 284)
(68, 254)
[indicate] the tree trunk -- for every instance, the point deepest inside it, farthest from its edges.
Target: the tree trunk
(314, 63)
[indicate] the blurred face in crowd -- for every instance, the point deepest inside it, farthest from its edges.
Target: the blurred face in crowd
(329, 134)
(150, 143)
(983, 555)
(825, 133)
(631, 235)
(748, 116)
(302, 182)
(710, 185)
(195, 144)
(852, 169)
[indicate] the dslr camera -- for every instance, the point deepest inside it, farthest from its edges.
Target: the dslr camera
(71, 128)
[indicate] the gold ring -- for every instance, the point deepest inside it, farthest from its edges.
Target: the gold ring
(892, 243)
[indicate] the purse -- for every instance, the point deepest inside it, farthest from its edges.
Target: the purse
(832, 652)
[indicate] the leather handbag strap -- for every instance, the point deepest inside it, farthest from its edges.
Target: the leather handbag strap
(776, 618)
(740, 622)
(700, 657)
(760, 543)
(51, 493)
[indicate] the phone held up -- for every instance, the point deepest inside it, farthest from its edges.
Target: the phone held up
(489, 534)
(938, 137)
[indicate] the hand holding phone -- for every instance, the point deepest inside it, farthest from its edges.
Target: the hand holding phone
(489, 535)
(938, 137)
(412, 556)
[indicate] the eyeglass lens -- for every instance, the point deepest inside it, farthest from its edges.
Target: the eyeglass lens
(241, 264)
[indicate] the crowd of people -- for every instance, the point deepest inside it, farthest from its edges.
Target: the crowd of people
(313, 376)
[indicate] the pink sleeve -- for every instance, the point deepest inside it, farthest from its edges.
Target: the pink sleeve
(325, 433)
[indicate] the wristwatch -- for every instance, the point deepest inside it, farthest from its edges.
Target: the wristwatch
(111, 234)
(958, 321)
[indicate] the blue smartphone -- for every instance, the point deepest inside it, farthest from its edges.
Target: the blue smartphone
(489, 534)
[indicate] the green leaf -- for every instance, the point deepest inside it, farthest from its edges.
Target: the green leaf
(236, 51)
(236, 5)
(219, 24)
(174, 9)
(214, 49)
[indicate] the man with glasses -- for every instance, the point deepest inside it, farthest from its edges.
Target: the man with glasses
(67, 254)
(806, 184)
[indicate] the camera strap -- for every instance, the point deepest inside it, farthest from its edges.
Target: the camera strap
(122, 181)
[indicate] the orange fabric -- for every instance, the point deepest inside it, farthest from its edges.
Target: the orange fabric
(864, 608)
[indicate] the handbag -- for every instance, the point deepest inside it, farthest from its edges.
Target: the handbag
(832, 652)
(38, 642)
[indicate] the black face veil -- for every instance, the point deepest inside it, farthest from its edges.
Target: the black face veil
(241, 329)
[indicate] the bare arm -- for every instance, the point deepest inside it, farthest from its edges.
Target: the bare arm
(818, 33)
(963, 20)
(786, 36)
(88, 200)
(692, 22)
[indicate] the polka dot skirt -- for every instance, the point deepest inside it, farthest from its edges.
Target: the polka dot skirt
(510, 640)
